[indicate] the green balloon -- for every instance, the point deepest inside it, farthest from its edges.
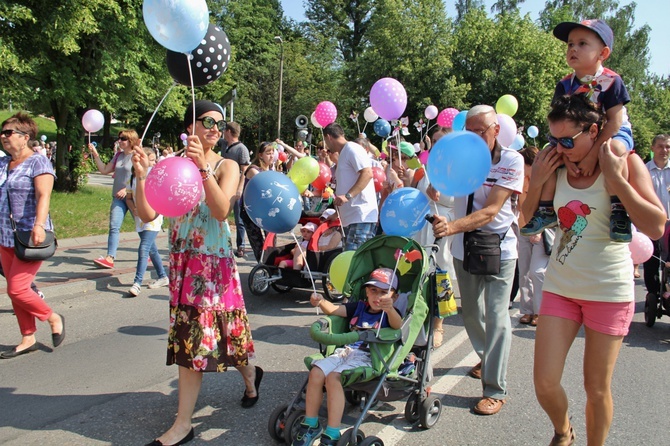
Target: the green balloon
(304, 171)
(339, 268)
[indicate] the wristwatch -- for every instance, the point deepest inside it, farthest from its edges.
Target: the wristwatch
(347, 196)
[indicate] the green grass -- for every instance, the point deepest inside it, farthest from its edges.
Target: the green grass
(45, 126)
(85, 212)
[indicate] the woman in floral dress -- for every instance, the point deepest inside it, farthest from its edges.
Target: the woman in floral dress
(209, 328)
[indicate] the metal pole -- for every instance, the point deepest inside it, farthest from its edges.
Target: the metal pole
(281, 81)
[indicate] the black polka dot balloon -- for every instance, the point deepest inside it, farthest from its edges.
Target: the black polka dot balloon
(208, 61)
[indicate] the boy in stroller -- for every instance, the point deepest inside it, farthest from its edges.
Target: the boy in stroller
(376, 311)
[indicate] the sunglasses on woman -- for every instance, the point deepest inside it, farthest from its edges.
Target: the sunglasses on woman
(9, 132)
(208, 122)
(123, 138)
(567, 142)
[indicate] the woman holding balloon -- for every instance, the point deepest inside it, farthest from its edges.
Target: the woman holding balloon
(265, 157)
(121, 165)
(209, 327)
(589, 280)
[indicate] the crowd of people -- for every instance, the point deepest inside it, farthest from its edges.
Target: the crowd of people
(553, 210)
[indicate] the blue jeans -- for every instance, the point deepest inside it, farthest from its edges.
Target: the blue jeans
(146, 249)
(358, 233)
(239, 225)
(117, 212)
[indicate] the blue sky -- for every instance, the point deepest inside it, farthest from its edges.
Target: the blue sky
(653, 13)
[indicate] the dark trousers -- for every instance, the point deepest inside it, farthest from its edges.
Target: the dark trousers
(254, 234)
(239, 225)
(652, 279)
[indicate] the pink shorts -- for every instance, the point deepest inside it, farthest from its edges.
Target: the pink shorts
(610, 318)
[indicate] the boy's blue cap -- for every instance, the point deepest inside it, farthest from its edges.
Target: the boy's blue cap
(562, 30)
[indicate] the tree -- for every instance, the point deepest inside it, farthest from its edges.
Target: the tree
(506, 6)
(464, 6)
(77, 54)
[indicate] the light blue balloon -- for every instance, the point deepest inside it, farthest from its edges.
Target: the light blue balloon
(518, 142)
(458, 163)
(532, 131)
(273, 202)
(459, 121)
(43, 138)
(382, 127)
(403, 212)
(178, 25)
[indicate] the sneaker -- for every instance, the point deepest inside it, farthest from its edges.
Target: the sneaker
(41, 294)
(135, 289)
(102, 262)
(542, 219)
(327, 441)
(307, 435)
(163, 281)
(239, 252)
(620, 229)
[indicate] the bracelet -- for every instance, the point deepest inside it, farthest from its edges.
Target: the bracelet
(42, 225)
(206, 172)
(142, 178)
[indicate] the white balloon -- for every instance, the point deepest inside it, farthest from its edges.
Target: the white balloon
(518, 142)
(315, 123)
(370, 115)
(431, 112)
(93, 120)
(507, 130)
(417, 147)
(532, 131)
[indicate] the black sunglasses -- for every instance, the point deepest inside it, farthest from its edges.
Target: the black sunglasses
(208, 122)
(123, 138)
(567, 142)
(9, 132)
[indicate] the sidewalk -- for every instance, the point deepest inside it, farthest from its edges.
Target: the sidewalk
(72, 271)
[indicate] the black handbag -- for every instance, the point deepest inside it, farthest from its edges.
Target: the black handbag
(24, 248)
(481, 249)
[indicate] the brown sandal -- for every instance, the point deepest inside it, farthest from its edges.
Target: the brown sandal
(438, 337)
(566, 439)
(525, 319)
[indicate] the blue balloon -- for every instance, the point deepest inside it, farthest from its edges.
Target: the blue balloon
(403, 212)
(532, 131)
(178, 25)
(458, 163)
(382, 128)
(273, 202)
(459, 121)
(518, 142)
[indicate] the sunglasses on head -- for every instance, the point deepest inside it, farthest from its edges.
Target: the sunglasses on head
(208, 122)
(567, 142)
(9, 132)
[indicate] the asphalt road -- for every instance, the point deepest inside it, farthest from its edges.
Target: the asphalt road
(108, 383)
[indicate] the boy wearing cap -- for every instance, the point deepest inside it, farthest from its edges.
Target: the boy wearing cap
(590, 43)
(377, 309)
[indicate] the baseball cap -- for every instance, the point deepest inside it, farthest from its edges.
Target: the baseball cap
(309, 226)
(327, 214)
(562, 30)
(383, 278)
(407, 149)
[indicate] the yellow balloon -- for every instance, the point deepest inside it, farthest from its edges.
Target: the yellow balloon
(507, 105)
(302, 187)
(339, 268)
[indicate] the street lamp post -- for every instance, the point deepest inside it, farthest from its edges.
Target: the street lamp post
(281, 79)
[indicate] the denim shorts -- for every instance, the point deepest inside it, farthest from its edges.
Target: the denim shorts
(625, 135)
(358, 233)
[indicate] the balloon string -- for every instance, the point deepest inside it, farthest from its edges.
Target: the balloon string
(146, 129)
(366, 124)
(190, 76)
(309, 271)
(395, 268)
(337, 209)
(89, 138)
(430, 127)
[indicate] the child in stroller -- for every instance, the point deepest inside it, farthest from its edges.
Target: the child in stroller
(376, 311)
(297, 261)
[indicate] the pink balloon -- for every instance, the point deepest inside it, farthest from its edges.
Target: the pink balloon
(325, 113)
(446, 117)
(507, 130)
(173, 187)
(388, 98)
(423, 157)
(93, 120)
(641, 248)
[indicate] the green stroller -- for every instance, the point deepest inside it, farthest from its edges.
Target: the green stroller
(400, 358)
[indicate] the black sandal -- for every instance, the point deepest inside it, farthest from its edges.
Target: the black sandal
(248, 401)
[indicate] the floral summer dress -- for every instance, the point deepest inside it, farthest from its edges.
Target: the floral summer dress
(209, 327)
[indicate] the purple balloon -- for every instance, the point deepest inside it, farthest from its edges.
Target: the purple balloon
(388, 98)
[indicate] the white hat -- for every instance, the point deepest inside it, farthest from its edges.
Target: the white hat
(327, 214)
(309, 226)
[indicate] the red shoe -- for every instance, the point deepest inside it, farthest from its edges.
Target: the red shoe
(102, 262)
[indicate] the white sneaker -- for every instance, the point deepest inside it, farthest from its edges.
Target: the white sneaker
(163, 281)
(135, 289)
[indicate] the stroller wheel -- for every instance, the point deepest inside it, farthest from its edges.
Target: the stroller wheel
(372, 441)
(353, 397)
(259, 280)
(346, 438)
(292, 425)
(429, 411)
(277, 423)
(412, 408)
(650, 309)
